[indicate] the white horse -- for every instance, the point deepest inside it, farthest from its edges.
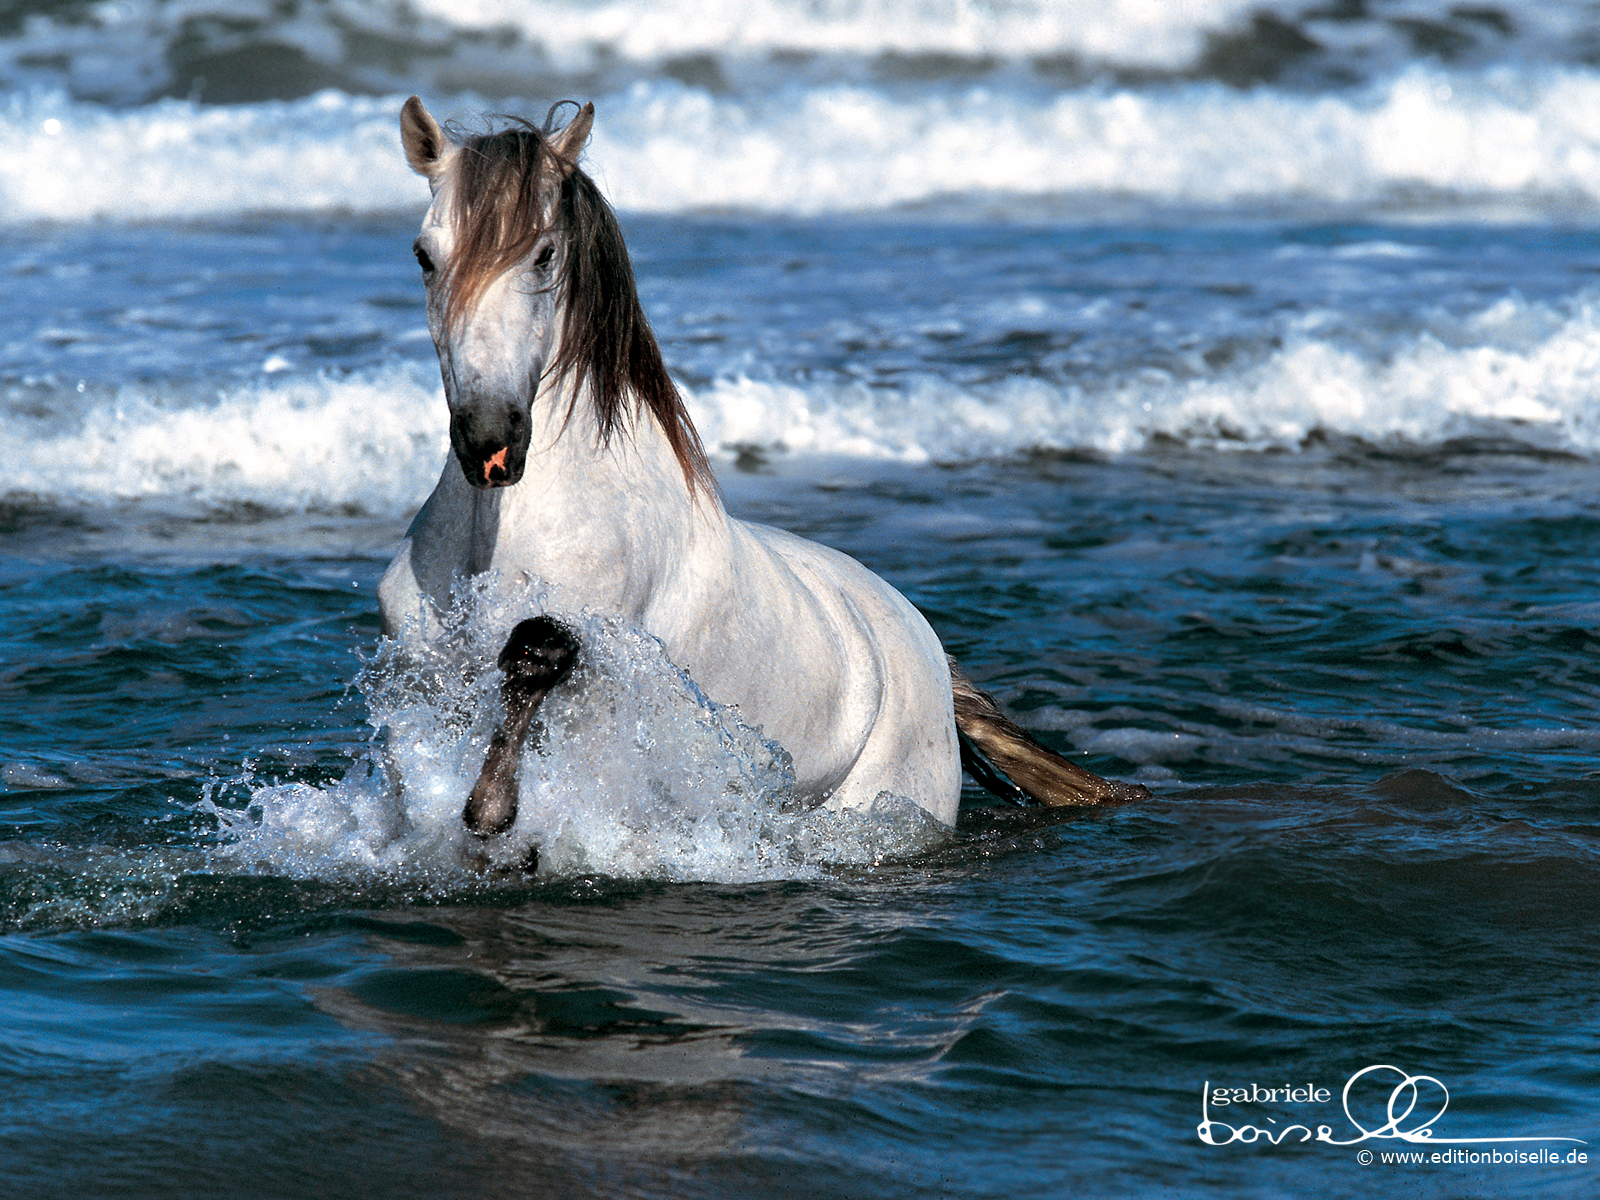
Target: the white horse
(576, 465)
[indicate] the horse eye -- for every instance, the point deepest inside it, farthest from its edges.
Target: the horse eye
(542, 262)
(423, 260)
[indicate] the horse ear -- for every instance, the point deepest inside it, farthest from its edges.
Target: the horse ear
(568, 142)
(428, 150)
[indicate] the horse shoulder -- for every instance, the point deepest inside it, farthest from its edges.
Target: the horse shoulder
(449, 539)
(401, 604)
(862, 598)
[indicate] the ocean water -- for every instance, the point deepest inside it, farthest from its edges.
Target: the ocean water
(1218, 378)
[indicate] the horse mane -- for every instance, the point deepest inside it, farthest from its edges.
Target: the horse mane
(607, 346)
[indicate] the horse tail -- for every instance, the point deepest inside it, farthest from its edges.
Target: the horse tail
(1008, 761)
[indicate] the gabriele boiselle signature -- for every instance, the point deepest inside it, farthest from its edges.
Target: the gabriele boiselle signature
(1410, 1102)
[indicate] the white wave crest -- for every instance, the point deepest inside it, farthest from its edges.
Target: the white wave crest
(1499, 133)
(70, 161)
(372, 441)
(375, 441)
(1525, 371)
(1521, 135)
(577, 33)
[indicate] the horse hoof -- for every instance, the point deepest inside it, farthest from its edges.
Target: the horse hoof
(492, 807)
(538, 655)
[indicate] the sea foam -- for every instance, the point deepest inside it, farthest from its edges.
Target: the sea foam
(636, 774)
(1527, 136)
(1523, 371)
(579, 35)
(69, 160)
(375, 440)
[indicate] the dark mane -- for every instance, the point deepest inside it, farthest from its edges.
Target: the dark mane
(607, 346)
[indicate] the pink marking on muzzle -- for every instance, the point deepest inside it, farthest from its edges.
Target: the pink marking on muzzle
(495, 462)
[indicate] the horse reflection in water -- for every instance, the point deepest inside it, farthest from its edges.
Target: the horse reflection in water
(576, 465)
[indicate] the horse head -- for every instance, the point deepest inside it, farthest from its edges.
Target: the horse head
(494, 252)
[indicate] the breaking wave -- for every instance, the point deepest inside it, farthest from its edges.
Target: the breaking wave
(374, 441)
(1428, 136)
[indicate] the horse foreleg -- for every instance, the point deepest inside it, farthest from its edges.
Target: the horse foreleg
(1006, 759)
(537, 656)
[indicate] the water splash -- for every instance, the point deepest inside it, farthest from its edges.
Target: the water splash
(638, 775)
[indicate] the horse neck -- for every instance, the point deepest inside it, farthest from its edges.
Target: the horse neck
(618, 513)
(567, 447)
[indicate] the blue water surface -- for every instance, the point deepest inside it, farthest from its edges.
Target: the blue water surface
(1359, 674)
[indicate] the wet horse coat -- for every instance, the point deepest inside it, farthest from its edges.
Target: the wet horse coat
(576, 465)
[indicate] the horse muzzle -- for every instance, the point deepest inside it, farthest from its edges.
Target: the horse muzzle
(491, 454)
(491, 470)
